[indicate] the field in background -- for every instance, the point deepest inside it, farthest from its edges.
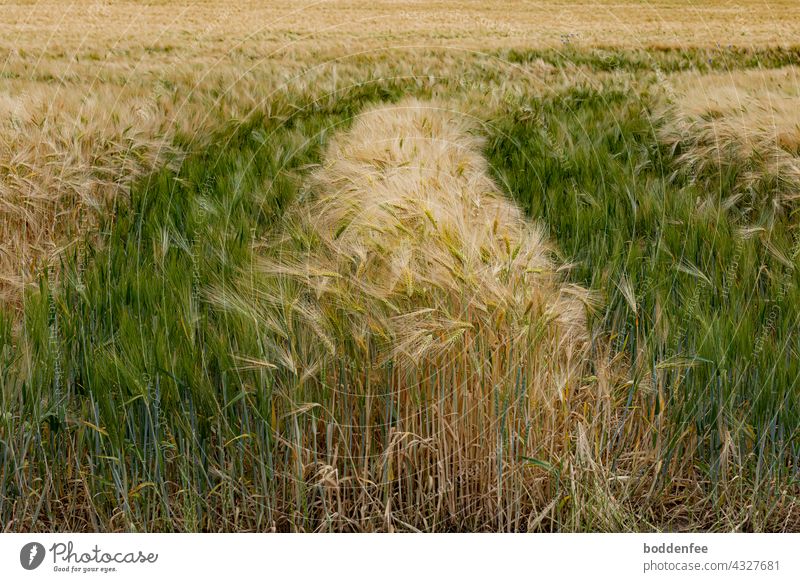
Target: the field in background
(96, 93)
(152, 155)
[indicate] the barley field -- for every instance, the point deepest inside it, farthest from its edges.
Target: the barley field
(448, 266)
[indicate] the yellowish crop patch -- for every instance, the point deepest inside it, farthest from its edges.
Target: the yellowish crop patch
(746, 119)
(407, 274)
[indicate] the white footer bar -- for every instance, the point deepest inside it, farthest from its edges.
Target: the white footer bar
(387, 557)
